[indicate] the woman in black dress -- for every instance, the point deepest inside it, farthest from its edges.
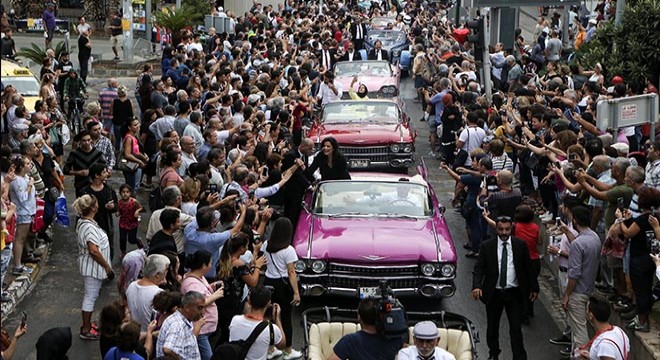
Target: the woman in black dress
(330, 162)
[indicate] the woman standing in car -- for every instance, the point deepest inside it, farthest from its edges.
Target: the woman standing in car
(330, 162)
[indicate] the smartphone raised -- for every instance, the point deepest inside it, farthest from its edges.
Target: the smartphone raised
(264, 171)
(23, 319)
(213, 188)
(620, 204)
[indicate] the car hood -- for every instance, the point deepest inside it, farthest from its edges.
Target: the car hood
(364, 133)
(371, 241)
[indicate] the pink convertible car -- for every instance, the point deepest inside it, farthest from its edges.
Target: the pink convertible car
(353, 233)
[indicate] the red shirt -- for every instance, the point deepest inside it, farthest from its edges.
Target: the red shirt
(530, 233)
(461, 35)
(126, 210)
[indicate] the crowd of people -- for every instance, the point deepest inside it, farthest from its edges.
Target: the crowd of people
(217, 146)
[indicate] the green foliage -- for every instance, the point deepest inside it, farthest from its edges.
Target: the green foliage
(175, 20)
(631, 50)
(37, 53)
(199, 8)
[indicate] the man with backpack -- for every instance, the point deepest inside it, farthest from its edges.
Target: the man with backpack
(242, 327)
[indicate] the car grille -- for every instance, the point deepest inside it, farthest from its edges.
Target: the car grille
(366, 271)
(373, 153)
(353, 283)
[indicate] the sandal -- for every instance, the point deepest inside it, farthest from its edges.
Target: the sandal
(89, 336)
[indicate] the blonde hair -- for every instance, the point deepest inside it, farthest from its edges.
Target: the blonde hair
(190, 190)
(84, 204)
(93, 108)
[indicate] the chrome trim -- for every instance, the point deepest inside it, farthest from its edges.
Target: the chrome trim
(372, 266)
(349, 292)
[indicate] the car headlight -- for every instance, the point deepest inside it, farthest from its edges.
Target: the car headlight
(447, 269)
(300, 266)
(428, 269)
(395, 148)
(407, 148)
(318, 266)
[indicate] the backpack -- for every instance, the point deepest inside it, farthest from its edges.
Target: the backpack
(429, 70)
(237, 350)
(156, 197)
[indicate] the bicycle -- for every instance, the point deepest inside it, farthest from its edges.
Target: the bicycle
(75, 113)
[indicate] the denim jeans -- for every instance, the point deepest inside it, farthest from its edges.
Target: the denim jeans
(116, 129)
(204, 345)
(133, 178)
(5, 257)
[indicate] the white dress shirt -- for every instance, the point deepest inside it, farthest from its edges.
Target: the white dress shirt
(511, 278)
(327, 95)
(379, 54)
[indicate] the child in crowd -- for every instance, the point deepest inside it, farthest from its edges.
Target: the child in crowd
(129, 219)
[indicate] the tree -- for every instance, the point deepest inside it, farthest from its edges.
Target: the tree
(37, 53)
(175, 20)
(631, 50)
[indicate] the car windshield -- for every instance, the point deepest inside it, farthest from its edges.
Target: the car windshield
(25, 85)
(360, 111)
(363, 68)
(388, 38)
(372, 199)
(382, 21)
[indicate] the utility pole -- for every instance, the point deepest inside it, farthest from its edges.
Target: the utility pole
(457, 19)
(178, 4)
(128, 33)
(620, 6)
(320, 7)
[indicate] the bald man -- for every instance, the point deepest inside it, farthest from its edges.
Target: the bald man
(504, 201)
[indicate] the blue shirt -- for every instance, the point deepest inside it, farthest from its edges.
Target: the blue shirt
(203, 240)
(364, 346)
(49, 19)
(439, 107)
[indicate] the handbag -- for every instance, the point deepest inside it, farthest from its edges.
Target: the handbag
(126, 165)
(52, 194)
(38, 224)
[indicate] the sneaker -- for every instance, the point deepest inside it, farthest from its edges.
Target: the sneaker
(89, 336)
(472, 254)
(566, 351)
(116, 57)
(294, 354)
(628, 315)
(616, 298)
(5, 297)
(274, 354)
(22, 270)
(637, 326)
(622, 308)
(432, 154)
(561, 340)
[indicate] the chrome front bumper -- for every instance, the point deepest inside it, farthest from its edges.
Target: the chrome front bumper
(427, 290)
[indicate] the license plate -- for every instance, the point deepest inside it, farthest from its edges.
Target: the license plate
(359, 163)
(366, 292)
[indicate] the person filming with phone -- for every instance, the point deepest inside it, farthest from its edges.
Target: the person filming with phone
(9, 343)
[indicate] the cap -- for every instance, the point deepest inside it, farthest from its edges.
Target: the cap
(253, 99)
(426, 330)
(121, 91)
(621, 147)
(593, 22)
(617, 80)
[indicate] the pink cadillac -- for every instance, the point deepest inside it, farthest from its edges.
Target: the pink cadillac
(353, 233)
(381, 78)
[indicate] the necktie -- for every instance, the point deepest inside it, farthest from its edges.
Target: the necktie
(503, 265)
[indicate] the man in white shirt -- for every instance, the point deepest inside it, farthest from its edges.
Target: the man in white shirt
(140, 293)
(330, 89)
(242, 325)
(612, 343)
(187, 155)
(425, 336)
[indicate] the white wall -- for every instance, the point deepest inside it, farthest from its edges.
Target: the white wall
(239, 7)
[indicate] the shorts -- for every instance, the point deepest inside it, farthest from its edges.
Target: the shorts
(24, 219)
(419, 82)
(433, 126)
(49, 34)
(117, 40)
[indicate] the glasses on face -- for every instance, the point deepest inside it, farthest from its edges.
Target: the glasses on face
(504, 218)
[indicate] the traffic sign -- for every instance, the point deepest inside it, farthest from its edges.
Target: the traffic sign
(514, 3)
(628, 111)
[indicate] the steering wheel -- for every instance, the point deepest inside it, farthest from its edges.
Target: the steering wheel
(395, 201)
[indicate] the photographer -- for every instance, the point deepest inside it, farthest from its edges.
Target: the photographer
(260, 308)
(367, 343)
(9, 344)
(330, 90)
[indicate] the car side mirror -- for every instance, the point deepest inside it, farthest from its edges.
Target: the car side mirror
(441, 209)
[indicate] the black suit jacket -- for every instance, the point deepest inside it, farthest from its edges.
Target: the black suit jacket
(373, 56)
(486, 270)
(354, 31)
(299, 182)
(356, 56)
(333, 59)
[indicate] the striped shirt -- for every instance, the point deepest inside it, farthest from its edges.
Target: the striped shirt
(177, 335)
(502, 162)
(89, 232)
(80, 160)
(106, 96)
(104, 145)
(653, 174)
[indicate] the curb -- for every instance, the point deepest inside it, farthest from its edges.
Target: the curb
(22, 285)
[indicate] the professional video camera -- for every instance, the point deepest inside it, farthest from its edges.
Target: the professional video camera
(392, 319)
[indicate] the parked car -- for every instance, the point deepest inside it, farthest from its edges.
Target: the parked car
(22, 78)
(351, 234)
(375, 75)
(381, 23)
(394, 42)
(372, 134)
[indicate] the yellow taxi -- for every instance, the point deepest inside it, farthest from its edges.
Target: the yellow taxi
(22, 79)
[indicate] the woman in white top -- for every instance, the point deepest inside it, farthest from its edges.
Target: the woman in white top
(93, 259)
(22, 194)
(281, 275)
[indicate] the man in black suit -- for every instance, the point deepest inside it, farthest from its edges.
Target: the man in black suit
(358, 32)
(378, 53)
(327, 56)
(351, 53)
(295, 189)
(501, 280)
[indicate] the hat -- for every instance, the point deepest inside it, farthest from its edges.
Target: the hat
(253, 99)
(20, 127)
(121, 91)
(621, 147)
(593, 22)
(617, 80)
(426, 330)
(50, 3)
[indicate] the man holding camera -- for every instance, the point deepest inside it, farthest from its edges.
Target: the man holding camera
(329, 90)
(260, 308)
(368, 343)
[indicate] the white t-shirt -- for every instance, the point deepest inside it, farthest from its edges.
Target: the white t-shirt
(613, 344)
(139, 300)
(472, 138)
(86, 27)
(410, 353)
(189, 208)
(241, 328)
(277, 263)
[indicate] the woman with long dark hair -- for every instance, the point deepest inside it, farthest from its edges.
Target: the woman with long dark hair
(330, 162)
(281, 275)
(235, 274)
(132, 153)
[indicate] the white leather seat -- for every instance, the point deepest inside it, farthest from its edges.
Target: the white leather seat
(324, 336)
